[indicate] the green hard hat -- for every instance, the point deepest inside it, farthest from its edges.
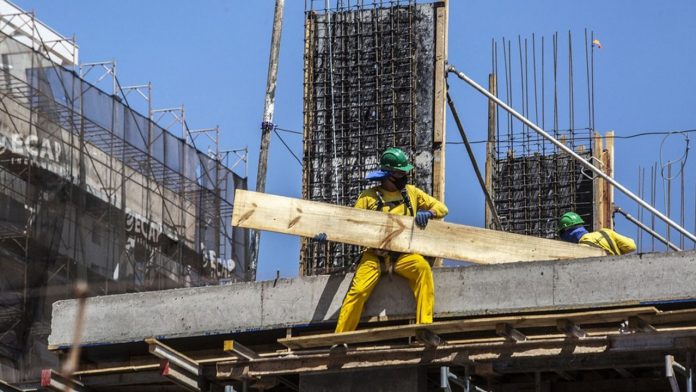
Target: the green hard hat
(568, 220)
(395, 159)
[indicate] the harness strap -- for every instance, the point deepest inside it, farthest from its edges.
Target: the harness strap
(612, 245)
(606, 237)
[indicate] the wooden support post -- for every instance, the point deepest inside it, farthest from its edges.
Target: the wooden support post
(235, 348)
(608, 160)
(5, 387)
(508, 332)
(570, 329)
(490, 148)
(54, 381)
(165, 352)
(428, 338)
(635, 323)
(179, 376)
(439, 98)
(598, 183)
(439, 102)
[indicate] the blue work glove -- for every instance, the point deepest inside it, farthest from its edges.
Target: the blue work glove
(422, 218)
(321, 237)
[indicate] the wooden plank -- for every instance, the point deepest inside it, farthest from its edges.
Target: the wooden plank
(608, 160)
(235, 348)
(597, 184)
(490, 144)
(395, 232)
(439, 93)
(466, 325)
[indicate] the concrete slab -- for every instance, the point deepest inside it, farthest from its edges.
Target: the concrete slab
(474, 290)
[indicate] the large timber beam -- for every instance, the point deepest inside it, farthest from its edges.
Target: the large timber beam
(394, 232)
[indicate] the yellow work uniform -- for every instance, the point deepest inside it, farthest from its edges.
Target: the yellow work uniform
(619, 244)
(413, 267)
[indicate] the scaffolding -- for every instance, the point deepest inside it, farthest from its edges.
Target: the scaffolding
(369, 84)
(92, 190)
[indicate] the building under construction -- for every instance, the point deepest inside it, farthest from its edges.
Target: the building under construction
(92, 190)
(537, 315)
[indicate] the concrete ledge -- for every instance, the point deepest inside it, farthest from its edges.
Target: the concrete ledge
(473, 290)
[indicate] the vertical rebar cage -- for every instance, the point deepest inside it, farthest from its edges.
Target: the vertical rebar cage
(368, 70)
(533, 183)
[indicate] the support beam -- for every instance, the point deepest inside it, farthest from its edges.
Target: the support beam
(570, 329)
(5, 387)
(179, 376)
(429, 339)
(598, 184)
(54, 381)
(466, 325)
(602, 352)
(394, 232)
(165, 352)
(490, 149)
(235, 348)
(608, 161)
(508, 332)
(439, 110)
(636, 323)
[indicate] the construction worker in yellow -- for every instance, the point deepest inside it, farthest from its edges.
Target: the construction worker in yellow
(393, 196)
(571, 229)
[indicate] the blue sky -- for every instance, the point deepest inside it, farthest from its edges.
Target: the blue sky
(212, 57)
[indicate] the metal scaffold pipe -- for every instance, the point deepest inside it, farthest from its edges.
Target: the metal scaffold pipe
(653, 233)
(572, 153)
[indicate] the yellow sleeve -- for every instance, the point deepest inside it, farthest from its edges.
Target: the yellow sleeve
(625, 244)
(426, 202)
(367, 200)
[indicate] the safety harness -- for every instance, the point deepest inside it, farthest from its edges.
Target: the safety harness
(388, 258)
(612, 244)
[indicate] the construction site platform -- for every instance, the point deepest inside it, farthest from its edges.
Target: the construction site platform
(315, 301)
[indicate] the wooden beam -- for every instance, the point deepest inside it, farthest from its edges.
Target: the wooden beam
(597, 183)
(235, 348)
(428, 338)
(608, 189)
(466, 325)
(490, 148)
(570, 329)
(636, 323)
(439, 102)
(509, 333)
(395, 232)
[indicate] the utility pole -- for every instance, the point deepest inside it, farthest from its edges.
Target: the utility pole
(267, 125)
